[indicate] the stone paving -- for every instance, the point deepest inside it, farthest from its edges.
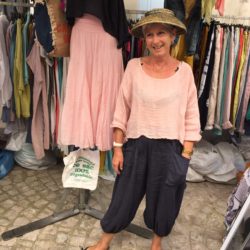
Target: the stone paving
(28, 195)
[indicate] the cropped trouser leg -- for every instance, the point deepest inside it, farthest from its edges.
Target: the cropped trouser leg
(129, 188)
(165, 185)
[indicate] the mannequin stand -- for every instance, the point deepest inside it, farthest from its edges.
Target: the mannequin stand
(81, 207)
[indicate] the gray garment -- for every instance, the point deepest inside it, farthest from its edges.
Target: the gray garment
(8, 10)
(217, 122)
(5, 80)
(226, 124)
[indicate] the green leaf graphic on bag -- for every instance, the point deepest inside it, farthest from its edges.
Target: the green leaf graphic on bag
(81, 169)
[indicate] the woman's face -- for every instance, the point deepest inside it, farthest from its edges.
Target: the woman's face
(158, 39)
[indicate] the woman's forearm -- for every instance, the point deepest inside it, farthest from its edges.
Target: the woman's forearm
(118, 135)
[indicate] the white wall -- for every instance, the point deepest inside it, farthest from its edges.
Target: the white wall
(156, 4)
(143, 4)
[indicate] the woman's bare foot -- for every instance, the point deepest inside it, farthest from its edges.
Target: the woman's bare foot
(98, 246)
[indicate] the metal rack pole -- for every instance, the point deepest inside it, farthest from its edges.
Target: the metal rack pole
(16, 4)
(136, 12)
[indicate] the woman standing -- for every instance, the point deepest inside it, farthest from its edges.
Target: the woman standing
(156, 124)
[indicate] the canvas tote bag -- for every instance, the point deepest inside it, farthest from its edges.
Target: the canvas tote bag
(81, 169)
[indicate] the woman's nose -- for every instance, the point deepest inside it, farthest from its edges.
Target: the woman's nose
(155, 39)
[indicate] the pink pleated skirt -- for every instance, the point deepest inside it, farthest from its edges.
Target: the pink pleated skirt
(94, 76)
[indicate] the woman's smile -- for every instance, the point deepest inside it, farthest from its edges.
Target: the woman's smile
(157, 47)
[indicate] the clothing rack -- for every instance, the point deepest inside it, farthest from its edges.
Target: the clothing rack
(20, 4)
(16, 4)
(230, 17)
(136, 12)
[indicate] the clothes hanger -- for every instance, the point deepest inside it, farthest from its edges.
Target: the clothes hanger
(4, 10)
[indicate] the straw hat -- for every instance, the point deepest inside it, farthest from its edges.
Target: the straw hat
(164, 16)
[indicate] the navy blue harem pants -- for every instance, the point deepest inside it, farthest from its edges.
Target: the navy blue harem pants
(153, 167)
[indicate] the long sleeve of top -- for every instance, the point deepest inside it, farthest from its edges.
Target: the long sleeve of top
(110, 12)
(158, 108)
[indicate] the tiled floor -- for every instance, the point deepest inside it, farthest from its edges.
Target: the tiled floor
(28, 195)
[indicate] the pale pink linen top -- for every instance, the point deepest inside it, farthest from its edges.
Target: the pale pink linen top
(158, 108)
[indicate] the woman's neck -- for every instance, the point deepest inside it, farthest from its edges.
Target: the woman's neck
(161, 61)
(160, 67)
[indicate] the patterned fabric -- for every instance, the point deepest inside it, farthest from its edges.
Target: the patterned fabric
(237, 198)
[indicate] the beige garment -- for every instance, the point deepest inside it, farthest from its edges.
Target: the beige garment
(40, 119)
(206, 9)
(214, 82)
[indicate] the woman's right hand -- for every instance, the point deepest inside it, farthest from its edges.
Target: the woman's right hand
(117, 160)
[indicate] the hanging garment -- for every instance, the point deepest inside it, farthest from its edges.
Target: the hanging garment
(214, 83)
(239, 40)
(188, 12)
(224, 70)
(12, 44)
(206, 77)
(110, 12)
(244, 69)
(5, 80)
(245, 99)
(40, 120)
(94, 77)
(52, 29)
(226, 124)
(202, 52)
(21, 91)
(248, 113)
(206, 64)
(219, 5)
(239, 73)
(64, 81)
(25, 46)
(206, 9)
(12, 49)
(243, 82)
(220, 80)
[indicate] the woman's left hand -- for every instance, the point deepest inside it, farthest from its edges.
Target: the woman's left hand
(188, 157)
(117, 160)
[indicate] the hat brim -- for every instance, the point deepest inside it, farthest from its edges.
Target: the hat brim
(173, 21)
